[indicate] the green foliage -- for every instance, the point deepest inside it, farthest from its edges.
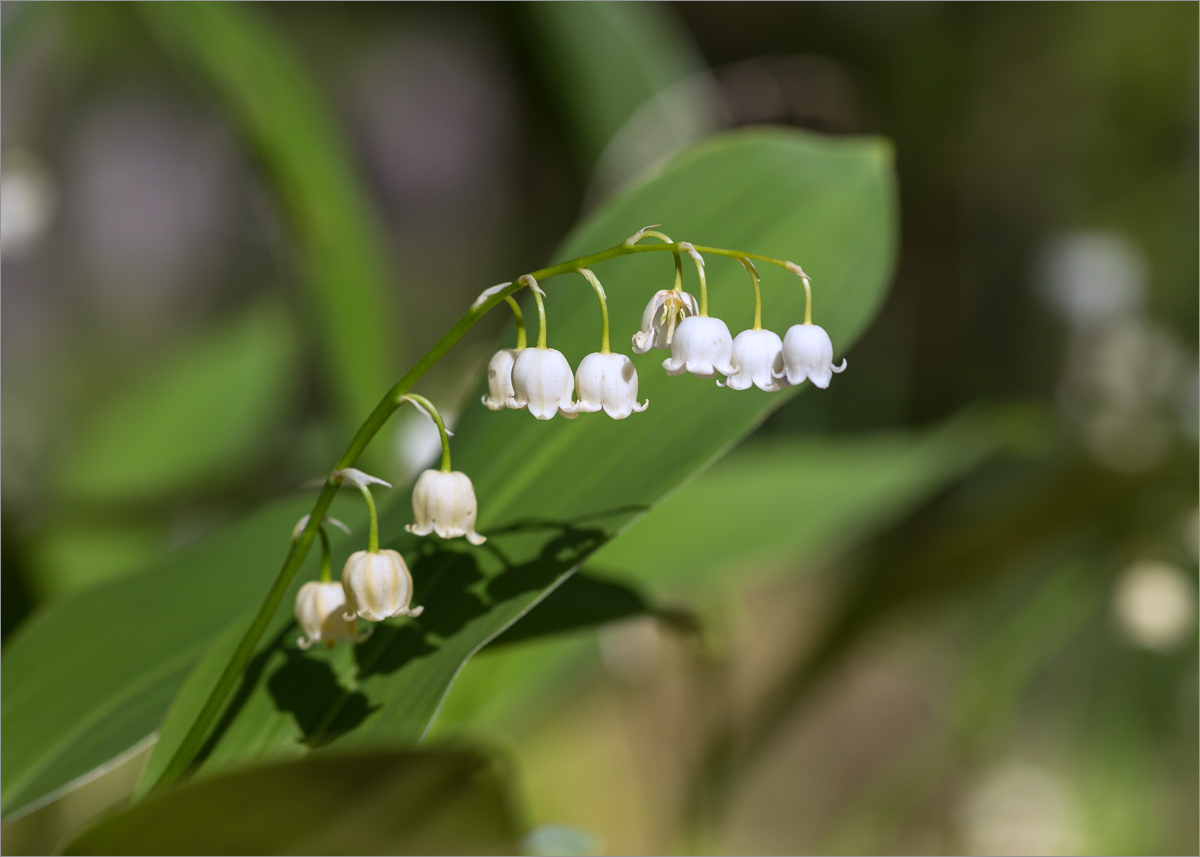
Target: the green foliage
(605, 61)
(277, 107)
(385, 802)
(552, 493)
(191, 419)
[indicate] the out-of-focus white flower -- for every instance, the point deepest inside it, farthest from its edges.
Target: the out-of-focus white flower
(444, 503)
(808, 353)
(660, 318)
(320, 613)
(702, 346)
(500, 388)
(377, 585)
(608, 381)
(542, 381)
(1155, 604)
(757, 355)
(1020, 808)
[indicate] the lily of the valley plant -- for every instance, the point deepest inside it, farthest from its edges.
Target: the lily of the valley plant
(376, 584)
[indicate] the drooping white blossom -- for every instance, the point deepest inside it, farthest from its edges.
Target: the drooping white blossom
(661, 318)
(500, 388)
(378, 585)
(808, 353)
(320, 613)
(608, 382)
(444, 503)
(543, 382)
(702, 346)
(756, 355)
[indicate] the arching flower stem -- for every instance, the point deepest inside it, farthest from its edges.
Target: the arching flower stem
(591, 278)
(654, 233)
(433, 413)
(699, 260)
(326, 569)
(194, 739)
(531, 282)
(372, 515)
(757, 292)
(520, 318)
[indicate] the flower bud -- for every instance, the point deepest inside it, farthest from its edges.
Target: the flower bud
(444, 503)
(608, 381)
(377, 585)
(807, 353)
(542, 381)
(320, 613)
(660, 318)
(756, 354)
(500, 388)
(702, 346)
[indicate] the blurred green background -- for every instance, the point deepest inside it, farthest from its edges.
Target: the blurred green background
(975, 631)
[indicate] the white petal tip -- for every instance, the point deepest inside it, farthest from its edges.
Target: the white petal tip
(841, 367)
(476, 539)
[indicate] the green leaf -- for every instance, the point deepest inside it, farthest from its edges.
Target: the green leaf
(605, 62)
(192, 418)
(252, 71)
(767, 506)
(90, 677)
(552, 493)
(790, 498)
(385, 802)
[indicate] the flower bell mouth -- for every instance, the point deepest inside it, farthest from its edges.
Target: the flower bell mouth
(756, 354)
(661, 317)
(543, 382)
(702, 346)
(377, 586)
(807, 354)
(444, 503)
(320, 613)
(608, 382)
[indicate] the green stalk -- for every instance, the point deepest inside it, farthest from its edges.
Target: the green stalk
(326, 568)
(194, 739)
(373, 517)
(436, 416)
(749, 266)
(591, 278)
(520, 316)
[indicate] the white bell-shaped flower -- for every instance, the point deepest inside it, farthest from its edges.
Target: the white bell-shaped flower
(702, 346)
(543, 382)
(756, 355)
(661, 317)
(444, 503)
(608, 381)
(500, 388)
(320, 613)
(377, 585)
(808, 353)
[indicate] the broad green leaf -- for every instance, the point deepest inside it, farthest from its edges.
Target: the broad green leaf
(252, 71)
(767, 505)
(605, 62)
(73, 557)
(552, 493)
(193, 417)
(386, 802)
(792, 499)
(89, 677)
(549, 493)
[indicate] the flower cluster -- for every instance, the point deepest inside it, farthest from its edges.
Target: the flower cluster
(539, 379)
(376, 584)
